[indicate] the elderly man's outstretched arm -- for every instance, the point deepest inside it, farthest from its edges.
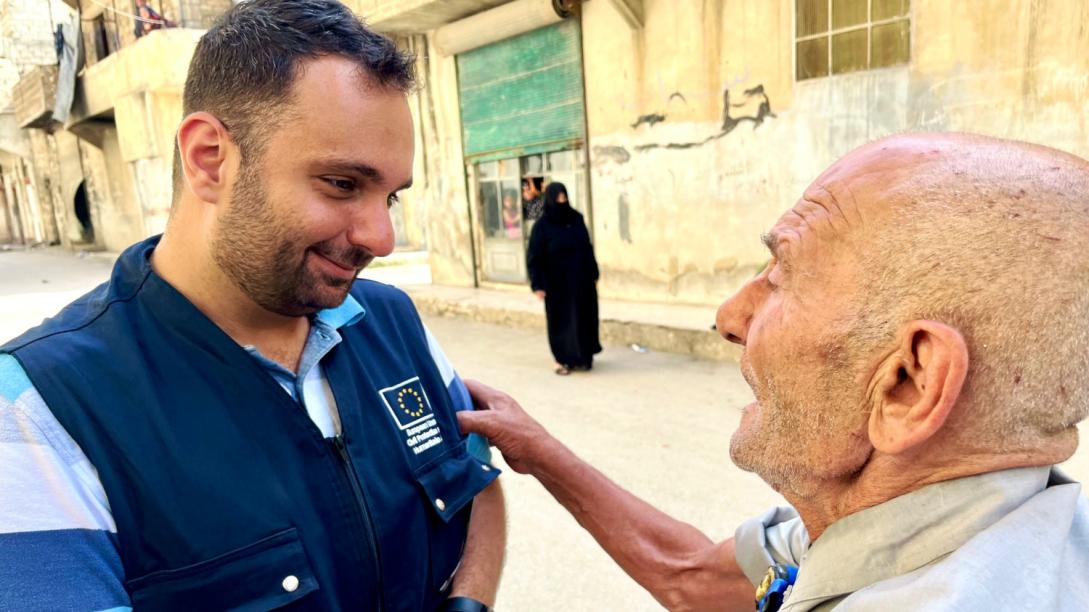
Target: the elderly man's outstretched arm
(680, 566)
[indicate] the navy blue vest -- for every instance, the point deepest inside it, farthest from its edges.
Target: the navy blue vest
(224, 492)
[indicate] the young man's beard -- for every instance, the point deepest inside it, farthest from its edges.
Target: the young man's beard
(255, 248)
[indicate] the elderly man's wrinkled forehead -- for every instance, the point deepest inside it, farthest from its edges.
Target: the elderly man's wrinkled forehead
(861, 186)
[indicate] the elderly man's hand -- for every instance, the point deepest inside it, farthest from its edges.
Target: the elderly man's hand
(503, 422)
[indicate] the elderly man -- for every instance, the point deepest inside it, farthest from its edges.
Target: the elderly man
(919, 352)
(234, 421)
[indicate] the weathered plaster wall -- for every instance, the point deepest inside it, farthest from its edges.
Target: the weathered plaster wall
(6, 234)
(26, 41)
(440, 175)
(156, 62)
(69, 177)
(146, 124)
(26, 31)
(141, 86)
(1017, 69)
(684, 181)
(115, 210)
(56, 175)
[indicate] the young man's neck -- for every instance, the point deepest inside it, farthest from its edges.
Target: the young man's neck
(187, 265)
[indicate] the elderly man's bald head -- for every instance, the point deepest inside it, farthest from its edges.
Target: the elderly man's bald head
(992, 238)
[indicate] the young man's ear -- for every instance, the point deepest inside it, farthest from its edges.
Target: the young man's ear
(203, 143)
(916, 387)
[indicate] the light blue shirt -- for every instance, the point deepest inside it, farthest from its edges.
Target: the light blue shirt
(311, 389)
(1013, 540)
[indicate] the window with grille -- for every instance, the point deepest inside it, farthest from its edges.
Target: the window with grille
(838, 36)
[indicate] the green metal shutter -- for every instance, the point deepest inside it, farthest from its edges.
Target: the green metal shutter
(522, 95)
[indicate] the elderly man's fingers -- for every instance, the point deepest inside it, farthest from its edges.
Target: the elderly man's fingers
(485, 397)
(472, 422)
(479, 392)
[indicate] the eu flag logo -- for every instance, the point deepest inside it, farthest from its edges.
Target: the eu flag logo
(407, 403)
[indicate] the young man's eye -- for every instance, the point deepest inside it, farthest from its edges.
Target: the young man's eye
(342, 184)
(392, 199)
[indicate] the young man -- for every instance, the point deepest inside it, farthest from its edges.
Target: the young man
(233, 420)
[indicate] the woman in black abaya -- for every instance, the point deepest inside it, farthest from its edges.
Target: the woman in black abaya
(563, 272)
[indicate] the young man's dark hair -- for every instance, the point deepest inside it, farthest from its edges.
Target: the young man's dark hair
(244, 65)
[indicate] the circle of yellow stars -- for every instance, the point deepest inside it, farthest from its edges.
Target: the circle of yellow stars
(419, 402)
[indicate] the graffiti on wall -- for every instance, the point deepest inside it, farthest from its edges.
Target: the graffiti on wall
(754, 100)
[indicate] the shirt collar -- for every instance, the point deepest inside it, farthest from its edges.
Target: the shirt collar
(910, 531)
(349, 312)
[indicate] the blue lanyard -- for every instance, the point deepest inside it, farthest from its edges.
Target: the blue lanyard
(773, 589)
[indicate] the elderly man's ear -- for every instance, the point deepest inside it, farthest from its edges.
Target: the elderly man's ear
(917, 386)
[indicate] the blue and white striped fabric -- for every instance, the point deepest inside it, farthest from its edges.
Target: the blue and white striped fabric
(58, 540)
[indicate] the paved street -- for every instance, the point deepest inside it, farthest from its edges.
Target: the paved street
(657, 423)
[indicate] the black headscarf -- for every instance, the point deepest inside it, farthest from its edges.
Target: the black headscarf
(555, 211)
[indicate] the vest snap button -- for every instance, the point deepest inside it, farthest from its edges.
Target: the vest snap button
(290, 584)
(441, 505)
(486, 468)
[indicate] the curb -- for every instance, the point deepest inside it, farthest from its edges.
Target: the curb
(700, 344)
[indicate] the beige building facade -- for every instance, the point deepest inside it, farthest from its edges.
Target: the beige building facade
(26, 48)
(682, 128)
(100, 177)
(705, 119)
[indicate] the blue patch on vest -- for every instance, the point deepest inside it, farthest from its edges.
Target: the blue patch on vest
(407, 402)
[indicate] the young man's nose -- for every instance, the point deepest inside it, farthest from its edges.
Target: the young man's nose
(372, 229)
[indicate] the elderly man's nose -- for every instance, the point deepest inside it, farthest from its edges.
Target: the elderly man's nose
(732, 319)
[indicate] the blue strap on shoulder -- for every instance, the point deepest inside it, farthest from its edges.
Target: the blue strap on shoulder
(773, 589)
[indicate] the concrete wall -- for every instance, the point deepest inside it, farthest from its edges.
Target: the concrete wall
(192, 13)
(140, 87)
(111, 190)
(46, 171)
(678, 204)
(26, 30)
(682, 184)
(26, 41)
(405, 16)
(58, 172)
(128, 105)
(440, 170)
(7, 236)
